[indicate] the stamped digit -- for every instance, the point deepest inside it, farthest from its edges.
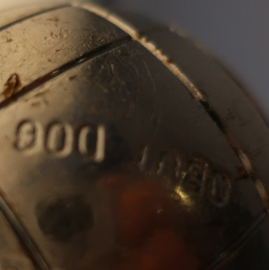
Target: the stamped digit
(91, 142)
(59, 139)
(83, 140)
(29, 137)
(100, 144)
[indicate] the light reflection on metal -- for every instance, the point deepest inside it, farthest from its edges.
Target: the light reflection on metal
(185, 199)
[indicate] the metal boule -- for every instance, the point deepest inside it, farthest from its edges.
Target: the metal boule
(124, 145)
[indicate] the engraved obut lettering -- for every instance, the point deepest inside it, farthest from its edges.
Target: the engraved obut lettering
(218, 190)
(196, 177)
(170, 166)
(206, 183)
(144, 156)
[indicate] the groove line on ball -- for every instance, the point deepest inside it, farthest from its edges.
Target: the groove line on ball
(65, 67)
(24, 237)
(232, 250)
(194, 91)
(32, 16)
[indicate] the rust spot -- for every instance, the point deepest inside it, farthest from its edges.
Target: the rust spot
(169, 61)
(71, 78)
(12, 85)
(242, 174)
(91, 37)
(138, 35)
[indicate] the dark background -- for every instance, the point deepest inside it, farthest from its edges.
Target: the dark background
(237, 31)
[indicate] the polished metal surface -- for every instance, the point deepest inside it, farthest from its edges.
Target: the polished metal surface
(124, 146)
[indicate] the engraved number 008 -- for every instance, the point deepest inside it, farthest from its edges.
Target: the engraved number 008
(60, 139)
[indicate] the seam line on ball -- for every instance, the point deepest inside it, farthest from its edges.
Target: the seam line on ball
(24, 237)
(243, 239)
(65, 67)
(193, 90)
(32, 16)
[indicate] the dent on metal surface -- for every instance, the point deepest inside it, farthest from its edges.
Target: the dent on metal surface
(122, 147)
